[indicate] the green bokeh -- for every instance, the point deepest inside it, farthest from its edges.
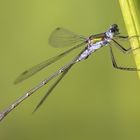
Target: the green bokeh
(94, 101)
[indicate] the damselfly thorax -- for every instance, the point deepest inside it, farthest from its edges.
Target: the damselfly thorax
(61, 37)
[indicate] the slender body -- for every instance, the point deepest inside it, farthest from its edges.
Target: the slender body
(91, 47)
(61, 37)
(103, 39)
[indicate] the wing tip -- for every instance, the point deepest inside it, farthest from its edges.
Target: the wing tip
(20, 77)
(17, 81)
(58, 28)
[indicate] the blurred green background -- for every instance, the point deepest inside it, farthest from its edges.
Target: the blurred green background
(94, 101)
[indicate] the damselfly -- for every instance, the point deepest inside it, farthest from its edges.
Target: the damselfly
(61, 37)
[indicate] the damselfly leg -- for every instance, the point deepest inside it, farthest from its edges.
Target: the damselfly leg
(61, 37)
(124, 39)
(115, 65)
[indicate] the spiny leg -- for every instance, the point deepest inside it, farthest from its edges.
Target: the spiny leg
(120, 67)
(127, 37)
(123, 49)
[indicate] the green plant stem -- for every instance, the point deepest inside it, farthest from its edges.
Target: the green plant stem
(131, 18)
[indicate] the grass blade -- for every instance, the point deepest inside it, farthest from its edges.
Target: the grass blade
(130, 12)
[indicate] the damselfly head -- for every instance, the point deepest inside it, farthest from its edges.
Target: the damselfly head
(114, 29)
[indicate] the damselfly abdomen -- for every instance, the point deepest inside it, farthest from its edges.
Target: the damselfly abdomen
(60, 38)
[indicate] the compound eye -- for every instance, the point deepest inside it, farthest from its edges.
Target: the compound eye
(112, 30)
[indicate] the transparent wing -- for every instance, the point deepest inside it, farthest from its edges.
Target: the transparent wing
(61, 37)
(52, 87)
(64, 71)
(28, 73)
